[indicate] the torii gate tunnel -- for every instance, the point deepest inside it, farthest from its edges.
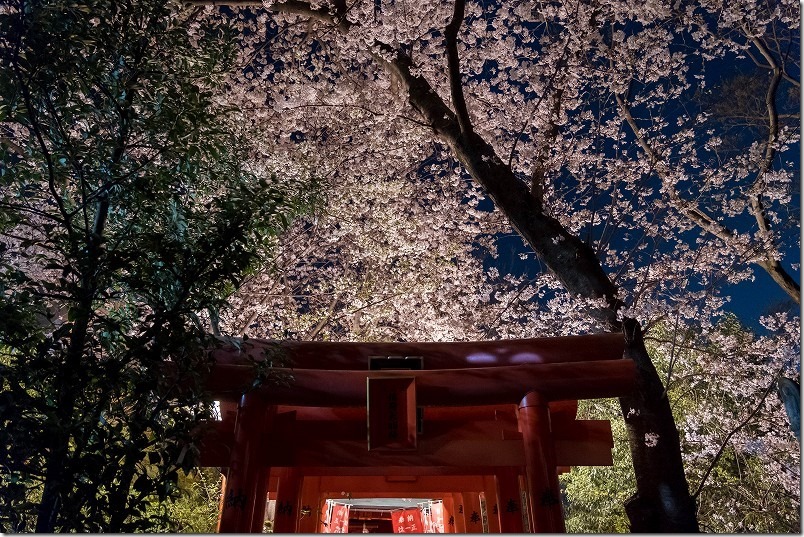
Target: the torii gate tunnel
(484, 426)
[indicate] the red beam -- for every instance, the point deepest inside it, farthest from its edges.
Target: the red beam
(378, 486)
(445, 355)
(346, 414)
(447, 387)
(444, 444)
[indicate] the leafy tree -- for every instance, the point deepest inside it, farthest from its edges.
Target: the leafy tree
(131, 206)
(195, 507)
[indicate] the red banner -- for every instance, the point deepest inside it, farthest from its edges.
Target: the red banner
(407, 521)
(339, 519)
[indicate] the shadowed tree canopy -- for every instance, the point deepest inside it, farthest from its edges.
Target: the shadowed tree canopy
(131, 205)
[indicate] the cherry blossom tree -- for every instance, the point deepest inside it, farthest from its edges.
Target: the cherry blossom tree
(593, 128)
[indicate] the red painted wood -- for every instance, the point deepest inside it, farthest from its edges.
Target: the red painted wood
(544, 496)
(449, 387)
(471, 396)
(451, 413)
(391, 471)
(310, 501)
(444, 444)
(473, 518)
(510, 500)
(449, 513)
(400, 486)
(492, 503)
(260, 499)
(391, 413)
(459, 512)
(583, 443)
(242, 480)
(288, 495)
(437, 355)
(221, 502)
(348, 455)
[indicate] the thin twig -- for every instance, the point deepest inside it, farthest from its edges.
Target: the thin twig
(732, 433)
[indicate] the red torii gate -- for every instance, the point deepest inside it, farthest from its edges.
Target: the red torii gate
(497, 418)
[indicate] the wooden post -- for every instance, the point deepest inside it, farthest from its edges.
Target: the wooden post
(459, 511)
(544, 495)
(510, 501)
(492, 503)
(287, 501)
(472, 515)
(310, 510)
(222, 500)
(323, 522)
(260, 499)
(243, 477)
(449, 514)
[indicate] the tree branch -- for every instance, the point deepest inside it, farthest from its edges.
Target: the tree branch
(697, 215)
(573, 262)
(730, 435)
(771, 263)
(453, 63)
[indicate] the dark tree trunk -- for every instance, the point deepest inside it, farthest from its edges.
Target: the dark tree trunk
(57, 457)
(662, 502)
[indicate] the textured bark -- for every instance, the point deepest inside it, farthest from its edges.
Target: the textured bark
(662, 502)
(570, 259)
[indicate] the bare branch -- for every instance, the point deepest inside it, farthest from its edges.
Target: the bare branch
(771, 263)
(323, 322)
(697, 215)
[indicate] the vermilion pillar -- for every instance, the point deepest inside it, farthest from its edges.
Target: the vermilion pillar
(310, 508)
(472, 514)
(544, 495)
(510, 501)
(243, 477)
(287, 501)
(260, 499)
(459, 512)
(223, 497)
(449, 514)
(492, 503)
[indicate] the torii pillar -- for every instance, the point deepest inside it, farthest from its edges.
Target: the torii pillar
(242, 504)
(544, 496)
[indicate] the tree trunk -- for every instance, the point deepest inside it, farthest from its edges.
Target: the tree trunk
(68, 382)
(57, 458)
(662, 502)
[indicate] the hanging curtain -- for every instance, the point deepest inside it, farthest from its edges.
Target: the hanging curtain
(436, 517)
